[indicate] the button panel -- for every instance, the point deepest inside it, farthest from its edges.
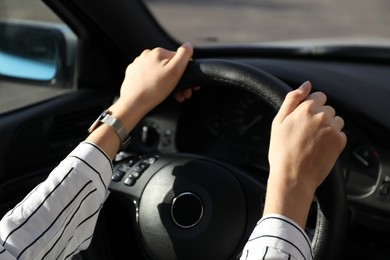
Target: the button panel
(132, 167)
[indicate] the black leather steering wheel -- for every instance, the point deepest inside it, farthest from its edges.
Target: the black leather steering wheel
(192, 207)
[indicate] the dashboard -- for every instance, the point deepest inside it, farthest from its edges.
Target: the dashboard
(227, 124)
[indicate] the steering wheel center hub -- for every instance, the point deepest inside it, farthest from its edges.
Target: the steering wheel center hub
(192, 208)
(187, 210)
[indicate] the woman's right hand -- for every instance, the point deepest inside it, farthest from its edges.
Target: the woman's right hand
(306, 140)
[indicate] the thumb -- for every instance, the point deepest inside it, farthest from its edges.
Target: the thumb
(292, 101)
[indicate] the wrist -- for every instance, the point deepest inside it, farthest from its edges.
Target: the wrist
(129, 112)
(106, 138)
(288, 197)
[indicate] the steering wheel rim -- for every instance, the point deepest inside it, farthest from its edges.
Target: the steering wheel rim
(332, 215)
(226, 202)
(203, 72)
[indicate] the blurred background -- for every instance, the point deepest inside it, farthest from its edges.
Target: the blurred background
(250, 21)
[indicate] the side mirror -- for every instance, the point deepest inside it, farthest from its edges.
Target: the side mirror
(36, 52)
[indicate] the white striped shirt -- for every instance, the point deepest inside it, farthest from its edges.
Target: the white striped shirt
(57, 219)
(277, 237)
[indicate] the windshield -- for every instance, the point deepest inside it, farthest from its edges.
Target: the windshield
(256, 21)
(26, 10)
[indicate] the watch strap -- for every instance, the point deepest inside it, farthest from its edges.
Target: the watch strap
(106, 118)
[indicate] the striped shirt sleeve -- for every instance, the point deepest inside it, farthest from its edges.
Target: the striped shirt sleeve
(57, 219)
(277, 237)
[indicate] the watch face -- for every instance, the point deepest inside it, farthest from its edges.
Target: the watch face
(102, 115)
(97, 121)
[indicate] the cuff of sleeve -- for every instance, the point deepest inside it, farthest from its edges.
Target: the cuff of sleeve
(281, 233)
(94, 164)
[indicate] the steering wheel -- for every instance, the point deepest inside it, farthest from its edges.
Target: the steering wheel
(193, 207)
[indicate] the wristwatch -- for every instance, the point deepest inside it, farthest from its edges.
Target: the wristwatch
(106, 118)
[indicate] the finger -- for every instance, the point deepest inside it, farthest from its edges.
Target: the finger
(292, 100)
(161, 55)
(338, 123)
(343, 138)
(145, 52)
(187, 93)
(179, 97)
(341, 141)
(329, 112)
(317, 97)
(164, 54)
(183, 95)
(181, 58)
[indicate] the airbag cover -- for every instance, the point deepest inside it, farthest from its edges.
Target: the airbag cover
(220, 228)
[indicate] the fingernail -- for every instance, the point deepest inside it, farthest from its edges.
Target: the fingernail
(186, 45)
(305, 85)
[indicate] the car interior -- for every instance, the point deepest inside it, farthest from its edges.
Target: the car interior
(192, 181)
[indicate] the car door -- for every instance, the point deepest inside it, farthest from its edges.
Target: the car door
(44, 111)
